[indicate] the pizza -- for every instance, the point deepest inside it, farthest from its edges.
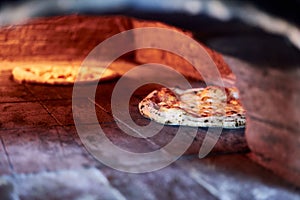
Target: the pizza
(212, 106)
(61, 75)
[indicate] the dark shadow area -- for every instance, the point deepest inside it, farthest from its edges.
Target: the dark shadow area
(234, 38)
(287, 9)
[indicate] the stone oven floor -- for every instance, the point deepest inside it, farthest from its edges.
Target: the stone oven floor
(42, 157)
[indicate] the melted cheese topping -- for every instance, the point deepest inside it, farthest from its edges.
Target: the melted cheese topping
(204, 102)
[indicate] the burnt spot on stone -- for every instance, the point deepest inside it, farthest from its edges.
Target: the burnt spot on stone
(205, 121)
(168, 122)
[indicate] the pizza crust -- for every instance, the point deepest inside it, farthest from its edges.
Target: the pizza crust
(198, 107)
(61, 75)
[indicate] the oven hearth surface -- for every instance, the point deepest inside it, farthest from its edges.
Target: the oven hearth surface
(40, 149)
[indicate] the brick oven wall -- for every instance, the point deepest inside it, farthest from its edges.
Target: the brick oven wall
(68, 38)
